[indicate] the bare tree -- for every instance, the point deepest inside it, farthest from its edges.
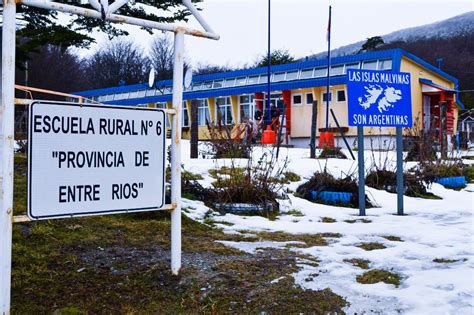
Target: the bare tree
(53, 68)
(161, 57)
(118, 62)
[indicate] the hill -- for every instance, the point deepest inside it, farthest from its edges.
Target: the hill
(451, 39)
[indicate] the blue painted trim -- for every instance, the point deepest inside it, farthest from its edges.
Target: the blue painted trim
(456, 90)
(397, 60)
(429, 82)
(458, 100)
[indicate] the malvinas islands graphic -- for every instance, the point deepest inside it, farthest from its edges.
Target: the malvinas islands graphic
(385, 98)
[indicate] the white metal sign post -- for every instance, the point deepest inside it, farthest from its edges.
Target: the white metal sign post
(89, 159)
(101, 10)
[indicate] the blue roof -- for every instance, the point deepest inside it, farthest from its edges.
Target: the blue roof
(429, 82)
(394, 54)
(278, 86)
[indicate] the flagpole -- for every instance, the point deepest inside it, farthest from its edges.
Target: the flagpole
(329, 70)
(268, 120)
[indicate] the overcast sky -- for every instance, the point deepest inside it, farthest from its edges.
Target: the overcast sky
(300, 25)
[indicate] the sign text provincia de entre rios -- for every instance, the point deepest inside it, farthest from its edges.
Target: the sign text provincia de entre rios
(89, 159)
(379, 98)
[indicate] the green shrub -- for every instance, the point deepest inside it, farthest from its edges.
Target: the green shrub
(378, 275)
(332, 152)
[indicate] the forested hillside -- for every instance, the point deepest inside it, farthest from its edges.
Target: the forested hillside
(457, 54)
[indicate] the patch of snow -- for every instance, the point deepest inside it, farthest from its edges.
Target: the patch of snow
(431, 229)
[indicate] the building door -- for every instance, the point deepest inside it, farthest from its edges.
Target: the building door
(426, 113)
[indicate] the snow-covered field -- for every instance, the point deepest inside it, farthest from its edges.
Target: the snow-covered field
(431, 229)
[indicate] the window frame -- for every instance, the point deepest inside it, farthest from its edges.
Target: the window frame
(228, 103)
(293, 99)
(331, 96)
(250, 104)
(337, 95)
(306, 98)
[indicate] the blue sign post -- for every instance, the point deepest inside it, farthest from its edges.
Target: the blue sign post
(379, 99)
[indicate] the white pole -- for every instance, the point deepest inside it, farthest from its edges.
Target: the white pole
(6, 137)
(49, 5)
(176, 152)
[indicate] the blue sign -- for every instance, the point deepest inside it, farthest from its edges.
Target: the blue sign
(379, 98)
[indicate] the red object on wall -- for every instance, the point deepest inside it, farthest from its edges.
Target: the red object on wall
(269, 136)
(287, 100)
(326, 139)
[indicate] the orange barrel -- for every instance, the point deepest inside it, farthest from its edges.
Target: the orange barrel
(268, 136)
(326, 139)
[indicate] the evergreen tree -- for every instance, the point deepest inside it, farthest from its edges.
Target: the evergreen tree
(39, 27)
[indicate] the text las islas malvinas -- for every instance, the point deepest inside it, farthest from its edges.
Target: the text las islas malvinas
(380, 77)
(80, 125)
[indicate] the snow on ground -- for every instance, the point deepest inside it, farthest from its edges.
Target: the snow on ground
(431, 229)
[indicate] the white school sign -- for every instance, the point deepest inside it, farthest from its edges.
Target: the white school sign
(94, 159)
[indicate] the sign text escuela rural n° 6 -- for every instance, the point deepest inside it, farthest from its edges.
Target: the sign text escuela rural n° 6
(379, 98)
(94, 159)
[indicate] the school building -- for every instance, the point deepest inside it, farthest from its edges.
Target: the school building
(294, 87)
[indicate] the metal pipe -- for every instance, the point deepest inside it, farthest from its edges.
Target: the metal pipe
(400, 188)
(342, 134)
(176, 152)
(95, 4)
(269, 55)
(43, 4)
(197, 15)
(329, 70)
(7, 130)
(32, 89)
(360, 158)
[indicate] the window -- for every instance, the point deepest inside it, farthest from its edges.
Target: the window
(309, 98)
(121, 96)
(207, 85)
(320, 72)
(162, 105)
(185, 117)
(133, 94)
(229, 82)
(253, 79)
(306, 73)
(224, 110)
(141, 93)
(324, 97)
(370, 65)
(263, 79)
(296, 99)
(197, 86)
(351, 66)
(203, 111)
(385, 64)
(241, 81)
(337, 70)
(341, 96)
(218, 84)
(293, 75)
(279, 76)
(150, 92)
(109, 97)
(247, 106)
